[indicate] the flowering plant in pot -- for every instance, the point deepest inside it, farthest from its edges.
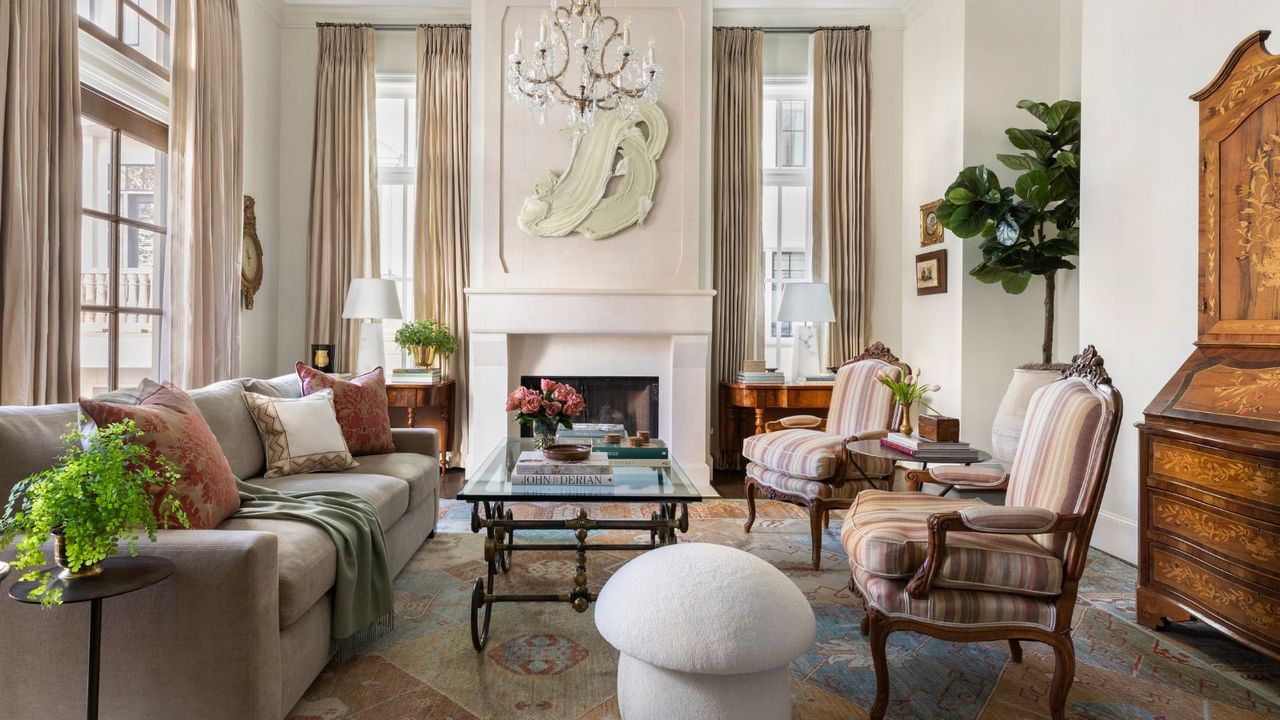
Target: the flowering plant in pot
(552, 406)
(103, 489)
(425, 339)
(907, 391)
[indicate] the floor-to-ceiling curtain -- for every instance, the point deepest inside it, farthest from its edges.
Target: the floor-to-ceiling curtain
(200, 329)
(39, 202)
(441, 240)
(842, 182)
(737, 71)
(342, 236)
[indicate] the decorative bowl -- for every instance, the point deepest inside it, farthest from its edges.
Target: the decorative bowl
(566, 453)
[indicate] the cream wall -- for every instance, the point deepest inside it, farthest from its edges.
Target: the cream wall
(966, 65)
(1141, 61)
(260, 46)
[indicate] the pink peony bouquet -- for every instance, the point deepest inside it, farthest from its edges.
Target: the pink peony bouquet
(554, 405)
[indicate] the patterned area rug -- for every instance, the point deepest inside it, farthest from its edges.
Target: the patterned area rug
(545, 661)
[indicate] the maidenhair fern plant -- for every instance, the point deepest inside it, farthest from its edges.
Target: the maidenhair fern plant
(104, 489)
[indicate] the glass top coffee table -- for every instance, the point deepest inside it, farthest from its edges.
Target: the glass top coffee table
(489, 489)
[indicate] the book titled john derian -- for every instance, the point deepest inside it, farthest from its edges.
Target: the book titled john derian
(532, 468)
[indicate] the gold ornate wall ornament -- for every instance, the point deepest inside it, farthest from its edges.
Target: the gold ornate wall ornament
(250, 255)
(609, 184)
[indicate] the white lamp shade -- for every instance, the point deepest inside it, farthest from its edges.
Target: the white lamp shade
(372, 299)
(806, 302)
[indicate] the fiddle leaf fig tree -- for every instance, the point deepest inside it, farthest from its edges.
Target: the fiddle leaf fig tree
(1030, 228)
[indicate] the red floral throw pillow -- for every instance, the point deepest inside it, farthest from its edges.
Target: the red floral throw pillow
(361, 403)
(172, 426)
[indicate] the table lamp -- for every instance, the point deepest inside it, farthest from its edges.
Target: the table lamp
(805, 302)
(371, 300)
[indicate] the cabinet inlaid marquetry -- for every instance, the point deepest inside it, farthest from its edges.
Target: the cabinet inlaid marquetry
(1209, 525)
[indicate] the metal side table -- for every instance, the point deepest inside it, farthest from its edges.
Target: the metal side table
(119, 575)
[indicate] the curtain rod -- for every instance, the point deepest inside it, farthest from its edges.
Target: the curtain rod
(393, 27)
(792, 30)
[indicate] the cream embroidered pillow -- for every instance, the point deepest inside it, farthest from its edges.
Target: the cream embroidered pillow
(300, 435)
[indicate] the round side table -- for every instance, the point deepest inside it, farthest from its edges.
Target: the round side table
(875, 449)
(119, 575)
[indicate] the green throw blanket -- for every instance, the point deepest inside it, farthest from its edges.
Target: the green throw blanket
(362, 598)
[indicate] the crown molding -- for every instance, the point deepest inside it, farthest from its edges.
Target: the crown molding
(274, 8)
(882, 18)
(304, 16)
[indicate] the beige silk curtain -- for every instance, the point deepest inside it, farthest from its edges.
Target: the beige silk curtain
(441, 240)
(200, 329)
(342, 236)
(842, 182)
(737, 179)
(39, 202)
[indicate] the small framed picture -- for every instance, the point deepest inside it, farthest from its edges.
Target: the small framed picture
(930, 228)
(322, 357)
(931, 273)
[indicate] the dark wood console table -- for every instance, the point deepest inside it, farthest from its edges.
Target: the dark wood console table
(761, 399)
(415, 396)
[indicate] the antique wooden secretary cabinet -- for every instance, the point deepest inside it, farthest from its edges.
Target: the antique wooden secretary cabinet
(1210, 440)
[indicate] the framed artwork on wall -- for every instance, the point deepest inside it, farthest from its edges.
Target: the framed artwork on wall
(930, 228)
(931, 273)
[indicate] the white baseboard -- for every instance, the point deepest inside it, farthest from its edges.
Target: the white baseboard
(1117, 535)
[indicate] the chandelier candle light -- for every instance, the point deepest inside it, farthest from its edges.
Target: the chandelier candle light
(544, 78)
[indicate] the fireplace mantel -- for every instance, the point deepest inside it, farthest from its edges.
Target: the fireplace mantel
(661, 333)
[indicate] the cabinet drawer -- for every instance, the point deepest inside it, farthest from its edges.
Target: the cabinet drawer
(1217, 472)
(1251, 541)
(1239, 602)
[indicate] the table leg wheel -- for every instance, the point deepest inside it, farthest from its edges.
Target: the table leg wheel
(479, 633)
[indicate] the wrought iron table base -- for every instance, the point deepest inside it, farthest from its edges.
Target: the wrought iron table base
(499, 547)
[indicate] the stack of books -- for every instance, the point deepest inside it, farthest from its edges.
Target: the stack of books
(428, 376)
(824, 377)
(652, 454)
(532, 468)
(761, 377)
(587, 431)
(921, 449)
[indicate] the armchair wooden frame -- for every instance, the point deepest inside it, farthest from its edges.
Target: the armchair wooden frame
(820, 507)
(1078, 529)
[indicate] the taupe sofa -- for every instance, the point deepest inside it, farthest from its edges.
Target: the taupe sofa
(241, 629)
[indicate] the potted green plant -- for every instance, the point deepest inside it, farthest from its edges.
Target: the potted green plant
(1027, 229)
(105, 488)
(425, 339)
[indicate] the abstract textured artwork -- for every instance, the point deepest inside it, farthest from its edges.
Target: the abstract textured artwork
(547, 662)
(609, 184)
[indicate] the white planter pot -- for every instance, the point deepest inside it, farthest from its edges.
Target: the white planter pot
(1007, 428)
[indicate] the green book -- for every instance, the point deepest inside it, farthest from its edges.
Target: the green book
(655, 450)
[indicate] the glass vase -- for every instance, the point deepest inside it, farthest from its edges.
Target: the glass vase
(544, 432)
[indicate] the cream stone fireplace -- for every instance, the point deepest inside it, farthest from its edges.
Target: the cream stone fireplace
(664, 334)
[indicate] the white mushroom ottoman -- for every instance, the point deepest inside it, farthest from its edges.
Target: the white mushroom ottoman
(704, 631)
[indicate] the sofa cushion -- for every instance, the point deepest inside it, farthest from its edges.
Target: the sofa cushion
(284, 386)
(361, 403)
(30, 440)
(308, 562)
(299, 435)
(222, 405)
(800, 453)
(887, 534)
(421, 472)
(388, 495)
(173, 426)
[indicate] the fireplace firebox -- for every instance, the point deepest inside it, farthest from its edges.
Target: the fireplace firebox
(631, 401)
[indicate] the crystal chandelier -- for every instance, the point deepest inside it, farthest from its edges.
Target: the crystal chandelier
(572, 65)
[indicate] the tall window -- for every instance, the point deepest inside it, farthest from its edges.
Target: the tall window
(124, 179)
(397, 118)
(138, 29)
(786, 216)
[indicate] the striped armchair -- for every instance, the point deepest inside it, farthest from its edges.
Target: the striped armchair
(962, 570)
(805, 460)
